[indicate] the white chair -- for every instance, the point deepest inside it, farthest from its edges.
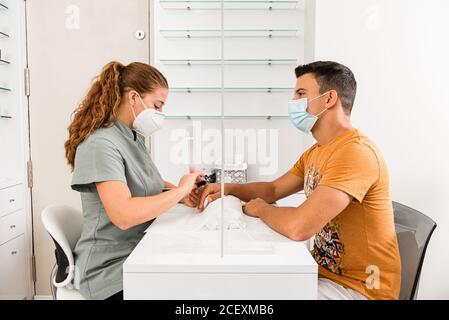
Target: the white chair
(64, 224)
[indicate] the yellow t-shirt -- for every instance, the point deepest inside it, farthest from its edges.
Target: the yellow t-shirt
(358, 248)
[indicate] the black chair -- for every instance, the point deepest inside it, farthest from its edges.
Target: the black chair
(413, 230)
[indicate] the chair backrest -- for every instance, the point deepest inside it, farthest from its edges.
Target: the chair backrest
(64, 224)
(413, 230)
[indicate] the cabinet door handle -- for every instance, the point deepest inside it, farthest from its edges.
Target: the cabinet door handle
(13, 252)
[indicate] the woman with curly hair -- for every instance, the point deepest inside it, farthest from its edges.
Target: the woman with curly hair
(121, 188)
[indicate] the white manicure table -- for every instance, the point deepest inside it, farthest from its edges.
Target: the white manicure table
(172, 262)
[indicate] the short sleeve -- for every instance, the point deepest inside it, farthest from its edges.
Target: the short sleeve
(353, 169)
(298, 168)
(97, 160)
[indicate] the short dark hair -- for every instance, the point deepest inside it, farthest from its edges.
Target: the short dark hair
(332, 76)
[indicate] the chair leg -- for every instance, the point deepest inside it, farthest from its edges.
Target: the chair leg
(52, 286)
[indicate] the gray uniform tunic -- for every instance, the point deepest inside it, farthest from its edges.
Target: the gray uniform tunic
(109, 154)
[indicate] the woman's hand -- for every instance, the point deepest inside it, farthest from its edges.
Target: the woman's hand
(187, 200)
(191, 200)
(188, 182)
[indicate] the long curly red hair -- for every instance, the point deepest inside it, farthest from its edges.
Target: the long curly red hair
(99, 107)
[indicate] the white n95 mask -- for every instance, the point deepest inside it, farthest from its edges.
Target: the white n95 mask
(148, 121)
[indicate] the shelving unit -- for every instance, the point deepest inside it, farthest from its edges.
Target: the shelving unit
(236, 89)
(236, 33)
(228, 4)
(3, 60)
(228, 117)
(4, 63)
(263, 41)
(268, 62)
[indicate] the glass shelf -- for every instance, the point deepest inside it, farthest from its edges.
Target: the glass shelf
(4, 35)
(229, 89)
(2, 60)
(230, 117)
(268, 62)
(4, 89)
(229, 4)
(230, 33)
(3, 6)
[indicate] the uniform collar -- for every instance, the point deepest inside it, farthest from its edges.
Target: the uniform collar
(126, 131)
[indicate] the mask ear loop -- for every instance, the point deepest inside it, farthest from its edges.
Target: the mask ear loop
(319, 114)
(143, 103)
(135, 117)
(132, 107)
(134, 113)
(322, 95)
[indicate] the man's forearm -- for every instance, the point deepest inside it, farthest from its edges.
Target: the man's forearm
(249, 191)
(283, 220)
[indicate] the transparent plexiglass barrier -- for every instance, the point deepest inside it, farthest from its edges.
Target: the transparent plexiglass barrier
(230, 65)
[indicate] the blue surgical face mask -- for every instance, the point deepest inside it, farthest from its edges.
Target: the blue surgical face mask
(301, 119)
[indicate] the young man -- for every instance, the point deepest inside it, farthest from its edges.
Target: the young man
(345, 179)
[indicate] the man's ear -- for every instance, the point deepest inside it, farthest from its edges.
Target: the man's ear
(332, 99)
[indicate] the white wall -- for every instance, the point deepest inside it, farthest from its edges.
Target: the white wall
(399, 53)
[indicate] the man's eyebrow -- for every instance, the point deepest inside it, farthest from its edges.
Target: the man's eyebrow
(300, 89)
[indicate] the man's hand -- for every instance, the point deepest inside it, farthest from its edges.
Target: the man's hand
(191, 200)
(211, 192)
(255, 207)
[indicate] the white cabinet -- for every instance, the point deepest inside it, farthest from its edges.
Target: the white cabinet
(13, 269)
(11, 199)
(12, 226)
(15, 211)
(15, 245)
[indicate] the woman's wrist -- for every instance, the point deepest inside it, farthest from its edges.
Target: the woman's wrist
(184, 191)
(183, 199)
